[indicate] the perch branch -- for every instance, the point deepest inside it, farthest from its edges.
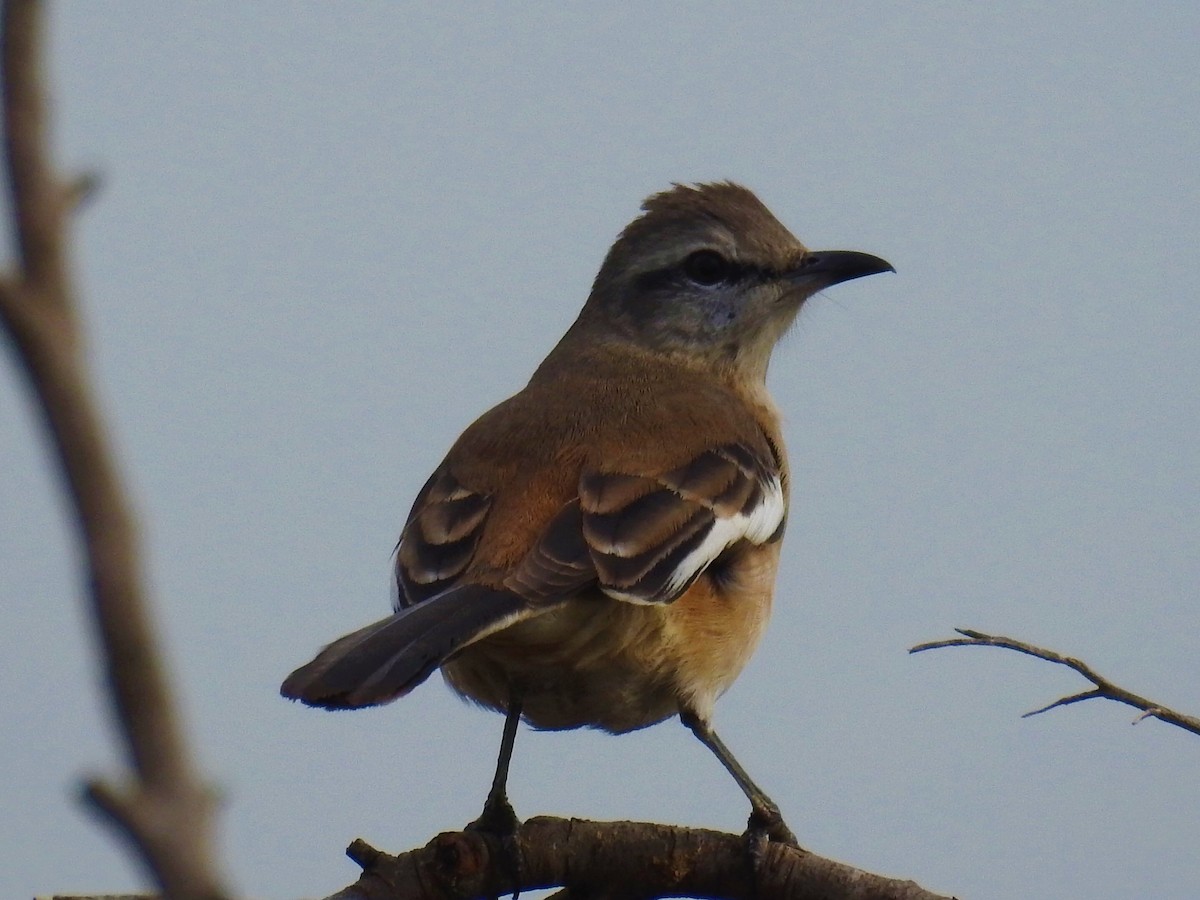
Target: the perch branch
(165, 810)
(1104, 689)
(632, 860)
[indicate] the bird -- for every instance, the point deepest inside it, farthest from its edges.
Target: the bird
(600, 549)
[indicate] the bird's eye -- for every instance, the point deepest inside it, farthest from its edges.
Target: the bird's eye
(707, 267)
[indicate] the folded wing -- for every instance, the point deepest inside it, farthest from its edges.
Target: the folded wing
(650, 537)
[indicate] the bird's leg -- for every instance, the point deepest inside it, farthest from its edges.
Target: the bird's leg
(498, 816)
(766, 822)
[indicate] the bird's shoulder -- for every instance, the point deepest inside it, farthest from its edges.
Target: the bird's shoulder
(620, 408)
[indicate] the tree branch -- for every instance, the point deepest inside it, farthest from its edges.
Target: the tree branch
(1104, 689)
(612, 859)
(166, 811)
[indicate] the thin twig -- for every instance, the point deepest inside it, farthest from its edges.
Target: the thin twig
(166, 811)
(1104, 688)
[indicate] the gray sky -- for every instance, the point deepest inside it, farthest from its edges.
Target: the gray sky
(331, 235)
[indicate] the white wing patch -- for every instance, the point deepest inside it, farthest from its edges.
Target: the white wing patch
(757, 526)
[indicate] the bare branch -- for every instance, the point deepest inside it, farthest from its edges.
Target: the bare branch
(613, 859)
(1104, 689)
(167, 812)
(37, 200)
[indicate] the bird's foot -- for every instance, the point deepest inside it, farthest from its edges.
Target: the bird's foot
(766, 826)
(499, 820)
(498, 817)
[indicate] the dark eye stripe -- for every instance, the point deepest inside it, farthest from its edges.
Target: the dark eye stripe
(673, 277)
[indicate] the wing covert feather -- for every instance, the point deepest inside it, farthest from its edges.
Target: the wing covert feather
(641, 538)
(651, 537)
(440, 537)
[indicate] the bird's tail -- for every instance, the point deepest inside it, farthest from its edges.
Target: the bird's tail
(389, 658)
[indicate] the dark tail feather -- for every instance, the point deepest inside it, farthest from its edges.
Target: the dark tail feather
(388, 659)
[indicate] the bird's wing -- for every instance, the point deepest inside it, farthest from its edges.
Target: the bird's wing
(646, 538)
(440, 537)
(636, 493)
(650, 536)
(640, 538)
(444, 531)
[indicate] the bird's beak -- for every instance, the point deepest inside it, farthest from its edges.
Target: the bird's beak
(828, 267)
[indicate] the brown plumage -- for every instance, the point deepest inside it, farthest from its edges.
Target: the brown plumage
(600, 549)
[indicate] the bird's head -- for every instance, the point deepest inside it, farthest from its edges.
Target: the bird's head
(707, 274)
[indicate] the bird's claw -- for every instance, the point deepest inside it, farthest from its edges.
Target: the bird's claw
(766, 826)
(500, 820)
